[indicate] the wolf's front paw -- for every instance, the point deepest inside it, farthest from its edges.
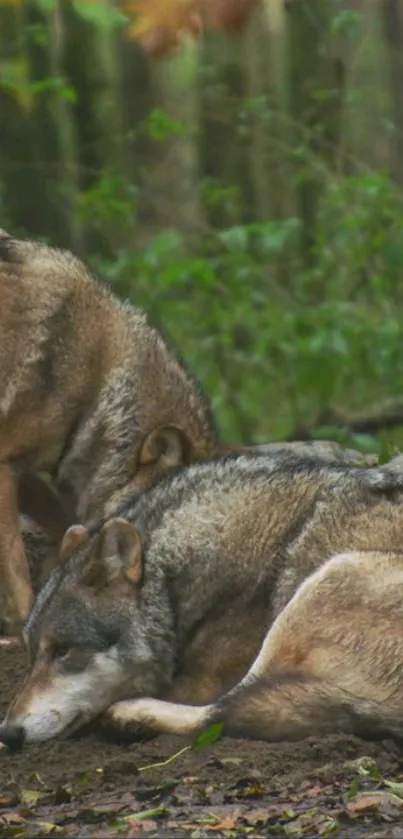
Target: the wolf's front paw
(125, 721)
(123, 713)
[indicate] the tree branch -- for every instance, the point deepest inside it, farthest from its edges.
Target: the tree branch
(373, 420)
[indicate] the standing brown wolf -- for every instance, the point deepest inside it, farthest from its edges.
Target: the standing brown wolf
(172, 600)
(89, 391)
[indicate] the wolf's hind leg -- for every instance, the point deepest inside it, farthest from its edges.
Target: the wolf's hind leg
(332, 661)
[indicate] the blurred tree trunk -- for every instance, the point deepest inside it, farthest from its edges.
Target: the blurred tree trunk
(266, 155)
(81, 71)
(392, 18)
(67, 172)
(46, 217)
(174, 175)
(28, 147)
(227, 180)
(226, 184)
(136, 95)
(316, 81)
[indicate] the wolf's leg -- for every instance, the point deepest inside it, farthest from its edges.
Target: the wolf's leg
(331, 662)
(288, 707)
(157, 716)
(16, 588)
(147, 717)
(328, 629)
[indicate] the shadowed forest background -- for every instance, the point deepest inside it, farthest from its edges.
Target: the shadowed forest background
(245, 189)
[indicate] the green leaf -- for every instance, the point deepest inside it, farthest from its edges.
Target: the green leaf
(156, 813)
(235, 238)
(367, 767)
(387, 451)
(396, 787)
(209, 736)
(161, 126)
(104, 15)
(346, 22)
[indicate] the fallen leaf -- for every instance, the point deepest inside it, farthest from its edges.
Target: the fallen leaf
(252, 791)
(313, 792)
(108, 809)
(228, 823)
(329, 827)
(396, 787)
(139, 828)
(367, 767)
(157, 813)
(229, 761)
(365, 804)
(259, 816)
(11, 818)
(13, 830)
(143, 793)
(48, 827)
(374, 802)
(30, 797)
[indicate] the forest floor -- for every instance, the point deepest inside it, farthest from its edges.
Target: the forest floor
(338, 786)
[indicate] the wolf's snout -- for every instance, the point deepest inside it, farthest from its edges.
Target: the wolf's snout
(12, 736)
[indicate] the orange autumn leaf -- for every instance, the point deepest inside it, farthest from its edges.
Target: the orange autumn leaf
(181, 16)
(229, 14)
(173, 15)
(159, 26)
(159, 41)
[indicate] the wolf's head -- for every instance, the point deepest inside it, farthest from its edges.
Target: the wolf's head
(87, 636)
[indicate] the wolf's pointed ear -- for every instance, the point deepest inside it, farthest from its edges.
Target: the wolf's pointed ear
(167, 446)
(118, 554)
(75, 535)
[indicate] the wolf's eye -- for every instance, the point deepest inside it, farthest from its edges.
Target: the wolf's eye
(60, 650)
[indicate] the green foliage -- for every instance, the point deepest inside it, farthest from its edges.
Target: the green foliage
(161, 126)
(103, 14)
(282, 336)
(346, 22)
(275, 356)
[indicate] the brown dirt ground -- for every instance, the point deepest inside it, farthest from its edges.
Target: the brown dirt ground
(337, 786)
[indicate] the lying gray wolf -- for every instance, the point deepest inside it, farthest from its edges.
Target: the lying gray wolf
(44, 523)
(172, 600)
(89, 392)
(326, 451)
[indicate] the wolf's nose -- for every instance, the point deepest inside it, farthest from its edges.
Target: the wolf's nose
(12, 736)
